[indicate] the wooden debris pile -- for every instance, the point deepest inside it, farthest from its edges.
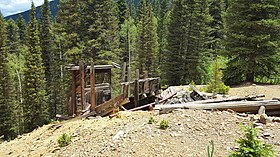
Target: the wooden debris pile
(184, 99)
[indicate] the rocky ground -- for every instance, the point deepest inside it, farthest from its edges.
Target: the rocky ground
(129, 134)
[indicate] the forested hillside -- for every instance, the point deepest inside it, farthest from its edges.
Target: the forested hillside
(198, 41)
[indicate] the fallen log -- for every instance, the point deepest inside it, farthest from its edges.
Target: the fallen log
(147, 105)
(61, 117)
(248, 98)
(237, 106)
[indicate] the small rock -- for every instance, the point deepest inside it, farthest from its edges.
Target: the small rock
(118, 135)
(266, 134)
(263, 119)
(276, 119)
(259, 127)
(242, 114)
(261, 110)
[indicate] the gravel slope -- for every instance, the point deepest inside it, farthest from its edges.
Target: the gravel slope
(188, 135)
(129, 135)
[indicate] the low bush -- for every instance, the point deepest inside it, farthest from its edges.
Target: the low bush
(251, 146)
(163, 124)
(151, 120)
(64, 140)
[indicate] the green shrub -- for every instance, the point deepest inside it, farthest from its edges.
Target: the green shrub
(216, 84)
(251, 146)
(219, 88)
(151, 120)
(64, 140)
(211, 153)
(163, 124)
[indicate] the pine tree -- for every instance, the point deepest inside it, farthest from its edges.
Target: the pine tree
(217, 26)
(147, 40)
(104, 32)
(123, 14)
(17, 50)
(188, 54)
(34, 104)
(5, 86)
(22, 29)
(71, 28)
(132, 9)
(13, 37)
(163, 23)
(122, 11)
(155, 4)
(252, 40)
(176, 45)
(47, 45)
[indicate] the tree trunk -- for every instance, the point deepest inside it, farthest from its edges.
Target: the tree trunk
(250, 76)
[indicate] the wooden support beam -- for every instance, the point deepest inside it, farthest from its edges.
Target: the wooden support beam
(128, 80)
(73, 106)
(158, 86)
(146, 84)
(92, 89)
(136, 89)
(110, 83)
(82, 86)
(123, 75)
(108, 106)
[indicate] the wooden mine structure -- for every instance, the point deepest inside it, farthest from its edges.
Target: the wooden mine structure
(92, 90)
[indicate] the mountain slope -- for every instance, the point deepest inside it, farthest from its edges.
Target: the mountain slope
(53, 6)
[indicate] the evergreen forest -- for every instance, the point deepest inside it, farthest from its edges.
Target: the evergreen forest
(181, 41)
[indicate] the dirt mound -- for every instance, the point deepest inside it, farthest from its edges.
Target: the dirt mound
(130, 135)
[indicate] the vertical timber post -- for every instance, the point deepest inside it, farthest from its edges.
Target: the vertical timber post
(123, 76)
(136, 89)
(73, 105)
(82, 72)
(146, 83)
(92, 88)
(128, 80)
(158, 85)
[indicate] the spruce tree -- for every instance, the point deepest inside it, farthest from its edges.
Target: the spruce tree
(163, 23)
(17, 50)
(6, 105)
(22, 29)
(13, 37)
(103, 40)
(176, 45)
(123, 14)
(122, 11)
(47, 45)
(69, 26)
(128, 32)
(147, 40)
(252, 40)
(217, 26)
(188, 53)
(34, 103)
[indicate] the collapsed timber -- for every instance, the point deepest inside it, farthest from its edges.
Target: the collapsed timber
(92, 95)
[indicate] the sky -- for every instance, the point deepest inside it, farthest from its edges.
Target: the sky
(9, 7)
